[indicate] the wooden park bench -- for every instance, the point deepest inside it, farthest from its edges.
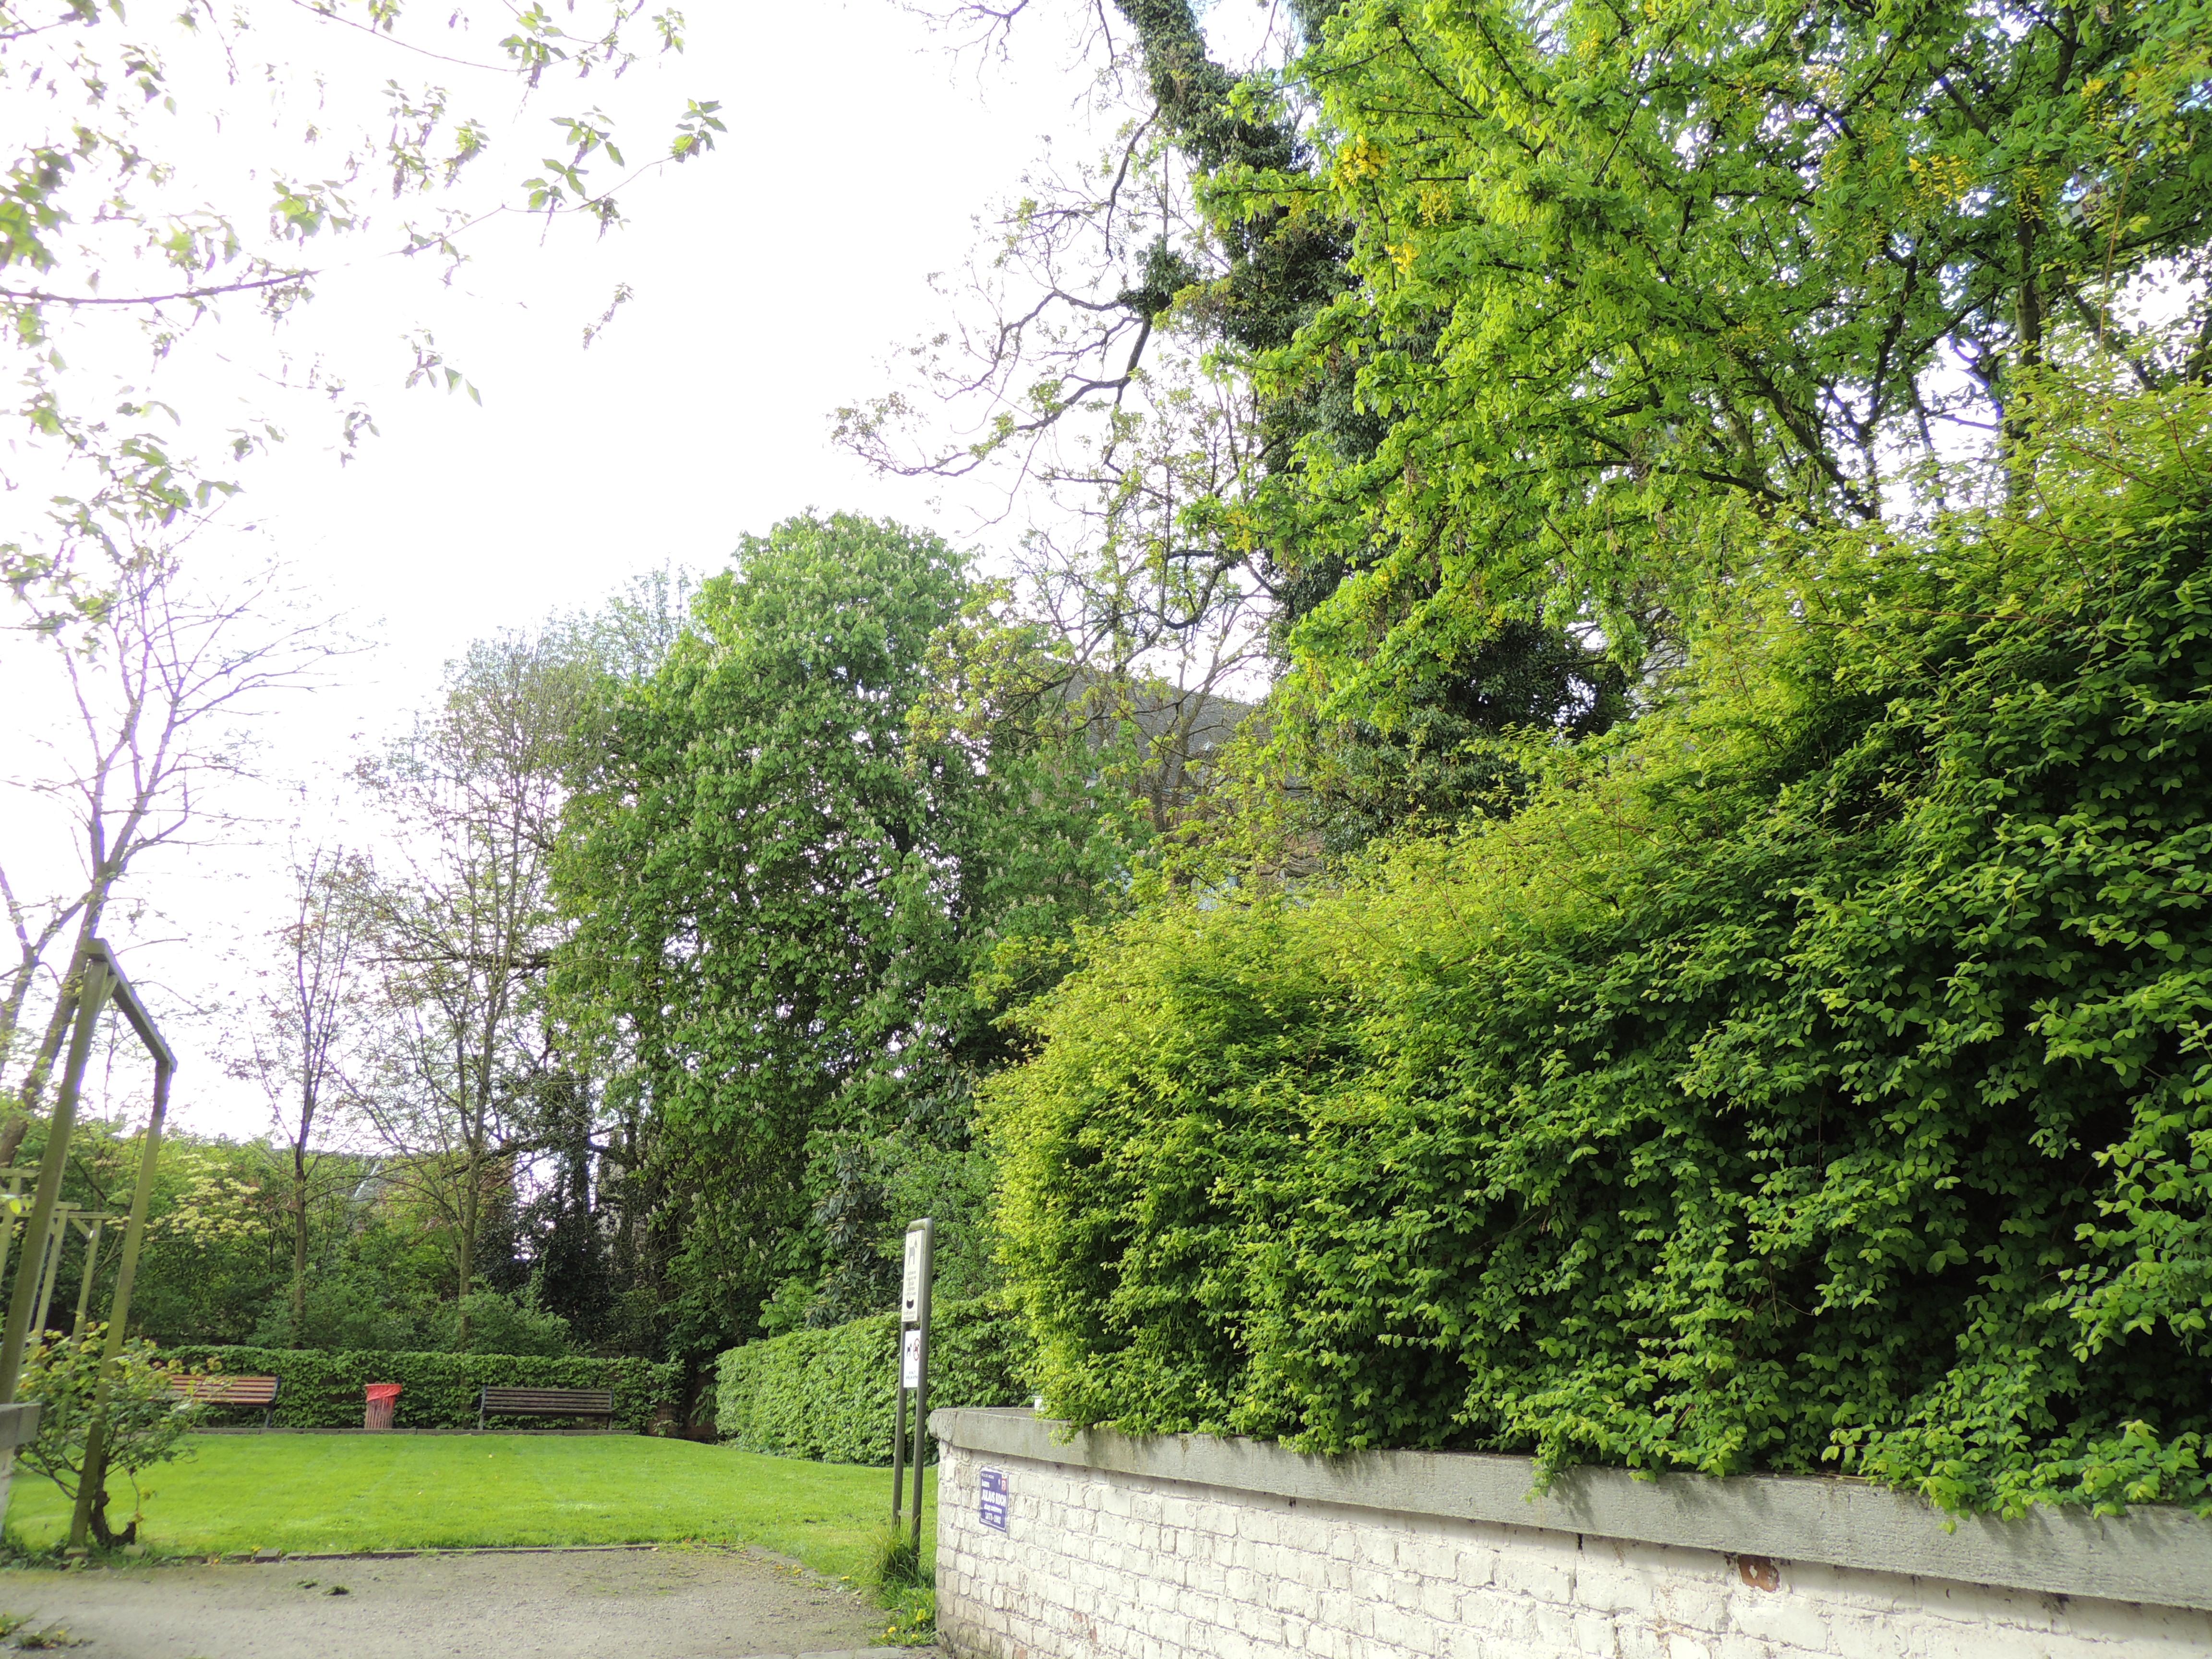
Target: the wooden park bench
(546, 1402)
(247, 1391)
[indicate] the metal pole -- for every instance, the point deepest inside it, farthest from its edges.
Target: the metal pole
(94, 1479)
(91, 1266)
(928, 1230)
(50, 1269)
(898, 1360)
(92, 996)
(913, 1272)
(898, 1432)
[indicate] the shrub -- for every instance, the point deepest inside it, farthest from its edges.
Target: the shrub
(357, 1311)
(520, 1324)
(145, 1427)
(321, 1389)
(1816, 1076)
(829, 1395)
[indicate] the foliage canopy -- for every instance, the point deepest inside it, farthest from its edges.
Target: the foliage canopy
(1638, 289)
(785, 877)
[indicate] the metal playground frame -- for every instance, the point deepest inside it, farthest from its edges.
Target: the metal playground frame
(96, 979)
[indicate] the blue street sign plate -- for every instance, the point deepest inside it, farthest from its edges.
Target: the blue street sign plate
(993, 1509)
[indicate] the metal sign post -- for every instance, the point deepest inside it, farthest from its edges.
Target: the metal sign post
(913, 1369)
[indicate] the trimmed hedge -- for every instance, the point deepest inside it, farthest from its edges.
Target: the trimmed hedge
(324, 1390)
(829, 1395)
(1818, 1078)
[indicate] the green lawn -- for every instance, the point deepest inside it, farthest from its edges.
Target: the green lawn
(327, 1493)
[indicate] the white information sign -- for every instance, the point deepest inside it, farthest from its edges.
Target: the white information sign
(910, 1361)
(910, 1281)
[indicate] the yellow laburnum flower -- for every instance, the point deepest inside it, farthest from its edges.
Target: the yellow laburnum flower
(1361, 160)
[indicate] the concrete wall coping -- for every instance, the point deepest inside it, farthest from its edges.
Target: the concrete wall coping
(2155, 1555)
(19, 1424)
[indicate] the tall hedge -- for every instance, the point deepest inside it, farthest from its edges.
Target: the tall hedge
(829, 1395)
(325, 1390)
(1814, 1077)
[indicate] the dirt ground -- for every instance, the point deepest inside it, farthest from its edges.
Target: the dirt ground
(565, 1604)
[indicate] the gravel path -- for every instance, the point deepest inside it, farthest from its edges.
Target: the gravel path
(665, 1603)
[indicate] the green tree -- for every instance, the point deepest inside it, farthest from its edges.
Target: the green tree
(782, 883)
(217, 1240)
(1572, 316)
(1129, 311)
(1646, 299)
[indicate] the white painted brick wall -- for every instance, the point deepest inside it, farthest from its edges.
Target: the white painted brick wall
(1101, 1565)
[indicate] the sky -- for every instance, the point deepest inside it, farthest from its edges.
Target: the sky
(772, 282)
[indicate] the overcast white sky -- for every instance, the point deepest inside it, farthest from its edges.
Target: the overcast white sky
(771, 280)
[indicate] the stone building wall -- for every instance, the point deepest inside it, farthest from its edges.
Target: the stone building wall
(1134, 1549)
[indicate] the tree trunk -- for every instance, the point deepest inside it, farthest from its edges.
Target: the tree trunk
(2027, 316)
(299, 1234)
(103, 1534)
(468, 1252)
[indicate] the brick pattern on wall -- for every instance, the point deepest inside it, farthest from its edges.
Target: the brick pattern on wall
(1099, 1566)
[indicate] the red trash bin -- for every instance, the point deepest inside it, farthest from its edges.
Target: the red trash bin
(383, 1400)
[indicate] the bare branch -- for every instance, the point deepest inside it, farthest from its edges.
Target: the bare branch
(160, 681)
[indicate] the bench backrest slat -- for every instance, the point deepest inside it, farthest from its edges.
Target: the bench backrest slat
(550, 1402)
(226, 1390)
